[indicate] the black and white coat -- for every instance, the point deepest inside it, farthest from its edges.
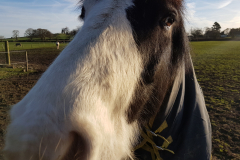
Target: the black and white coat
(129, 62)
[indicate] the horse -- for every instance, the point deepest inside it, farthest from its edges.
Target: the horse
(124, 88)
(57, 44)
(18, 44)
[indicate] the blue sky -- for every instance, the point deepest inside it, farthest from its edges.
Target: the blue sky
(203, 13)
(47, 14)
(56, 14)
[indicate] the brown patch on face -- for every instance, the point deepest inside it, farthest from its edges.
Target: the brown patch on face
(162, 50)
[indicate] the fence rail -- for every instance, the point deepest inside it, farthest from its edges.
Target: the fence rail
(7, 52)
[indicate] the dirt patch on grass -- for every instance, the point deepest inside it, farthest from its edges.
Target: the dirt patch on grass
(13, 89)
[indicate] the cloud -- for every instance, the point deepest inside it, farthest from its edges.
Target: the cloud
(193, 19)
(224, 4)
(203, 13)
(190, 10)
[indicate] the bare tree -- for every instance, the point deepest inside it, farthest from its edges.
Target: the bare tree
(30, 33)
(207, 29)
(43, 33)
(65, 30)
(15, 34)
(234, 32)
(50, 35)
(212, 34)
(73, 32)
(197, 32)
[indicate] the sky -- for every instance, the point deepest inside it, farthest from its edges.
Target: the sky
(203, 13)
(57, 14)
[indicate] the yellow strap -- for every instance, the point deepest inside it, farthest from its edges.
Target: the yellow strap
(163, 126)
(153, 144)
(150, 134)
(157, 153)
(148, 137)
(140, 145)
(149, 149)
(166, 143)
(153, 149)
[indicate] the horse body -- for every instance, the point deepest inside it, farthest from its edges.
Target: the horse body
(104, 86)
(57, 44)
(18, 44)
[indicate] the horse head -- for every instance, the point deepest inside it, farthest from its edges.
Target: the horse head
(115, 75)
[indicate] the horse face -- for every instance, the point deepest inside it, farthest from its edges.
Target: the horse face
(108, 80)
(160, 37)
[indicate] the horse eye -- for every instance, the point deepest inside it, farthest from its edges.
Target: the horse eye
(83, 13)
(168, 21)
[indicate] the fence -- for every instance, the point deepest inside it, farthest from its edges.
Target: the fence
(16, 60)
(38, 58)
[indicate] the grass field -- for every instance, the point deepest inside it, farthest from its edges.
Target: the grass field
(29, 45)
(217, 66)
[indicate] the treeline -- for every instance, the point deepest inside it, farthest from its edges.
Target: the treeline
(68, 32)
(38, 33)
(43, 35)
(214, 32)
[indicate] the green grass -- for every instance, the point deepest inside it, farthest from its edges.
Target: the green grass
(220, 60)
(10, 72)
(62, 36)
(29, 45)
(217, 67)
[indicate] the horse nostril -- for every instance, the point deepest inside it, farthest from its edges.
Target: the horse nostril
(79, 147)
